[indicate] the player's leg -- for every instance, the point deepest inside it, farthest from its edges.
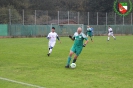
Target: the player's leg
(52, 44)
(108, 36)
(78, 51)
(69, 57)
(49, 44)
(113, 36)
(75, 58)
(91, 37)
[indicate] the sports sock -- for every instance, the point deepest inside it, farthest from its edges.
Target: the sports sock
(68, 60)
(50, 50)
(74, 60)
(91, 39)
(114, 37)
(108, 38)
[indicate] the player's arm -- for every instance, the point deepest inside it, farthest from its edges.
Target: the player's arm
(72, 38)
(85, 43)
(86, 40)
(48, 37)
(58, 38)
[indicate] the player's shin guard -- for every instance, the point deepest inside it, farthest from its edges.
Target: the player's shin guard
(68, 60)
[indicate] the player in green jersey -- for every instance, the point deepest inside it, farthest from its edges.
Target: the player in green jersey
(78, 39)
(89, 32)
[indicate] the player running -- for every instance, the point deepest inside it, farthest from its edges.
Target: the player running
(89, 32)
(52, 39)
(110, 33)
(78, 39)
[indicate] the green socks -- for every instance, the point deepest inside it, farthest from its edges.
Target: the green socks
(68, 60)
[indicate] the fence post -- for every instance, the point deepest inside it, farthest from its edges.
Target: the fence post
(58, 17)
(131, 19)
(48, 18)
(106, 19)
(97, 18)
(123, 19)
(35, 17)
(23, 16)
(106, 22)
(115, 19)
(68, 17)
(10, 16)
(88, 18)
(78, 17)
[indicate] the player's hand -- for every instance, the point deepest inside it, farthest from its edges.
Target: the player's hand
(84, 45)
(70, 36)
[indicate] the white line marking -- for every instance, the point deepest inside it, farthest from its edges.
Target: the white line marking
(22, 83)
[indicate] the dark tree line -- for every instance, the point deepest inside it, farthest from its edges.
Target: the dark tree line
(65, 5)
(53, 6)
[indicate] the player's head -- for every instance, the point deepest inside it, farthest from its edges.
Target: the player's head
(53, 29)
(109, 27)
(79, 30)
(88, 26)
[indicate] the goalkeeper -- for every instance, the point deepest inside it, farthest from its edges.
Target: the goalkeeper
(78, 39)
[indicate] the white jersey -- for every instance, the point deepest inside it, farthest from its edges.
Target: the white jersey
(110, 30)
(52, 36)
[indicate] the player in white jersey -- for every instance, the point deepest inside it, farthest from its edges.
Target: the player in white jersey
(52, 39)
(110, 33)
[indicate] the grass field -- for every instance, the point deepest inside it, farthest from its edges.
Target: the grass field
(102, 63)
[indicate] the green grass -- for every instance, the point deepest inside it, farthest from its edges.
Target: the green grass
(101, 64)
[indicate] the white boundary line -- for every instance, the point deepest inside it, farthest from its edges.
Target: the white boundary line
(22, 83)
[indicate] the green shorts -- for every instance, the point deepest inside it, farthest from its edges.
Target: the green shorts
(89, 34)
(76, 49)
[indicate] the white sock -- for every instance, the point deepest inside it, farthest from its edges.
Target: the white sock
(113, 36)
(50, 50)
(108, 38)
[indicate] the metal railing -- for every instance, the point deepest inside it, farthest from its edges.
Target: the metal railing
(40, 17)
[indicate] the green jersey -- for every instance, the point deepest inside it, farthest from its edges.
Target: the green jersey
(79, 38)
(89, 32)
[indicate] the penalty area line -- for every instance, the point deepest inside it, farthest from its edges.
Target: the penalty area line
(22, 83)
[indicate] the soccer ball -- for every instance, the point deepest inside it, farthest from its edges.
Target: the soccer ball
(73, 65)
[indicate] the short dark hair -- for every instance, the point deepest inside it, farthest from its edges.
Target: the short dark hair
(53, 27)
